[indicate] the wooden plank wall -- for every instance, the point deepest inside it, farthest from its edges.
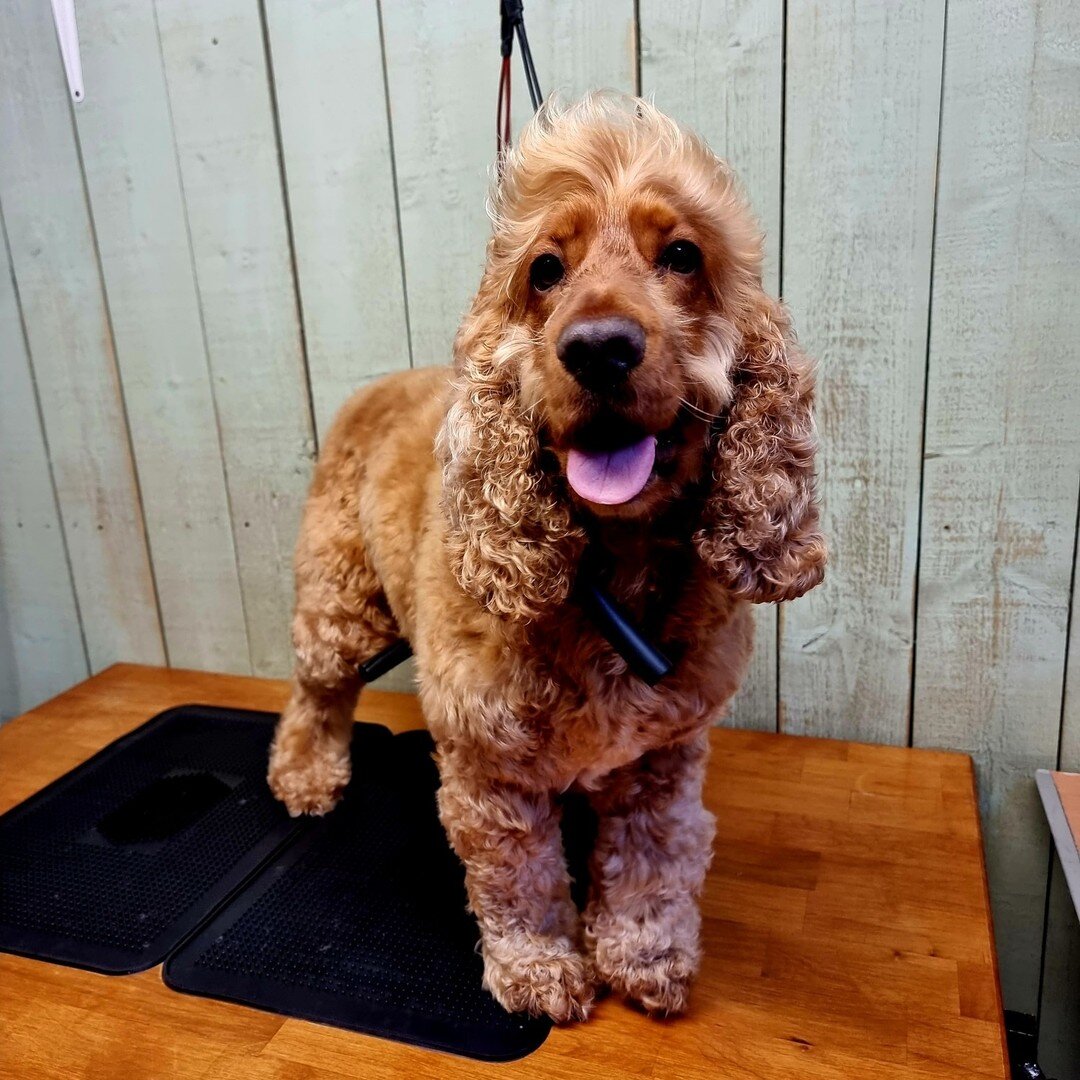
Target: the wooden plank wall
(1002, 443)
(261, 205)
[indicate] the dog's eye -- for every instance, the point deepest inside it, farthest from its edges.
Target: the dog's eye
(546, 271)
(680, 256)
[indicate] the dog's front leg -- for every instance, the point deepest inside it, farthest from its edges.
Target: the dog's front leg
(654, 843)
(519, 891)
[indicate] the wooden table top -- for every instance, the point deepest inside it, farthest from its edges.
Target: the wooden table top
(846, 922)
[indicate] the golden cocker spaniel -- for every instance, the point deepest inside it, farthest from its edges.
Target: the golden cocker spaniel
(621, 381)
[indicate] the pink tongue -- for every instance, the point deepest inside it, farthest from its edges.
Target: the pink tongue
(611, 477)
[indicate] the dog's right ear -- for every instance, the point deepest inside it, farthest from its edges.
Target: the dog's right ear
(512, 541)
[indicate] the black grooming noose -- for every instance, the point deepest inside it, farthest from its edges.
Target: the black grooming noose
(643, 658)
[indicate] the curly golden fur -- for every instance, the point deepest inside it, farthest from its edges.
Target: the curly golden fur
(441, 511)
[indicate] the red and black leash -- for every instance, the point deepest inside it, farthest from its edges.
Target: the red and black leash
(512, 23)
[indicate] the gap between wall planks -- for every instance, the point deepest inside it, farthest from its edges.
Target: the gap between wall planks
(223, 128)
(327, 68)
(69, 338)
(137, 200)
(742, 44)
(337, 162)
(861, 111)
(1002, 451)
(188, 129)
(38, 612)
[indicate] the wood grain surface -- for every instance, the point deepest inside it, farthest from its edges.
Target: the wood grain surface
(63, 309)
(136, 196)
(740, 114)
(1002, 446)
(39, 612)
(227, 154)
(862, 102)
(846, 929)
(337, 159)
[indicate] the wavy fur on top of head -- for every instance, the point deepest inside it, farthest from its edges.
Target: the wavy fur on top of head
(515, 538)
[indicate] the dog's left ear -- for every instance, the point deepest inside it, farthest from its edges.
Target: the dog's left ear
(512, 542)
(760, 526)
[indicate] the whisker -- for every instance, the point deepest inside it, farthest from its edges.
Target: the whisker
(700, 413)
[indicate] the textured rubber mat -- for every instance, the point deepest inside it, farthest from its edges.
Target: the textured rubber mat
(361, 921)
(110, 866)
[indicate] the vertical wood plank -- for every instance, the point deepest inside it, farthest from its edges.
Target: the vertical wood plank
(213, 51)
(125, 131)
(442, 67)
(862, 98)
(70, 342)
(717, 68)
(1002, 441)
(41, 649)
(328, 75)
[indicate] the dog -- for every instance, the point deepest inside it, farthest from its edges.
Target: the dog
(621, 384)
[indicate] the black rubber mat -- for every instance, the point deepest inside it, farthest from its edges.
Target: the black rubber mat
(110, 866)
(361, 921)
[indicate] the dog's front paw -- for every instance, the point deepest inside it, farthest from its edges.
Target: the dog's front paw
(661, 986)
(309, 783)
(656, 969)
(540, 976)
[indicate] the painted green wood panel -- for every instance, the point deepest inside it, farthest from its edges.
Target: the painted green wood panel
(331, 98)
(442, 69)
(41, 648)
(1002, 441)
(137, 202)
(861, 118)
(718, 68)
(67, 327)
(214, 52)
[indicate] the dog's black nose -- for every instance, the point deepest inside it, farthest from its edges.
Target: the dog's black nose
(601, 353)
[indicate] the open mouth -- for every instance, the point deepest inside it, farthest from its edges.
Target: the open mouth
(614, 470)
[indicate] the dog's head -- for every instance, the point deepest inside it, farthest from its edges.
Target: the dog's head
(620, 356)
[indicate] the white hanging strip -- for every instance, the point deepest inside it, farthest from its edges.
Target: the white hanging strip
(68, 34)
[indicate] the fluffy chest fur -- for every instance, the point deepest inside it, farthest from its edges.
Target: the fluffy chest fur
(551, 705)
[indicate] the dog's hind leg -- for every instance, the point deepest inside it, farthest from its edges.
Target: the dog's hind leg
(341, 619)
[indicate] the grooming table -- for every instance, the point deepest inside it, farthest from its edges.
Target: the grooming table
(846, 928)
